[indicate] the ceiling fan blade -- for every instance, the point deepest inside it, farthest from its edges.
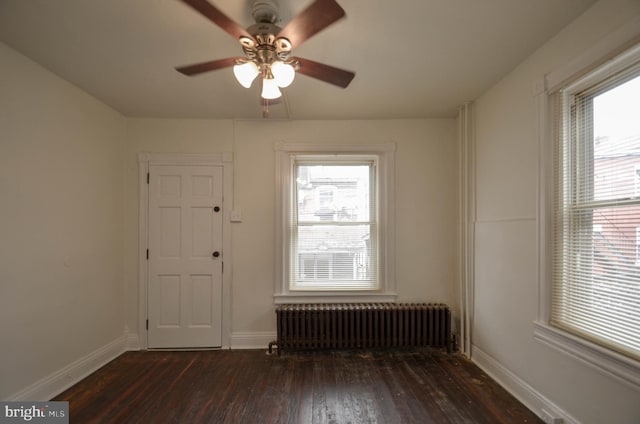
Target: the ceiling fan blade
(326, 73)
(319, 15)
(217, 17)
(212, 65)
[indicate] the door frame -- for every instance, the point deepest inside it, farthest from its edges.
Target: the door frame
(145, 160)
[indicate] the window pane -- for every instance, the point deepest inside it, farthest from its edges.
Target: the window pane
(601, 291)
(334, 252)
(616, 142)
(615, 291)
(333, 193)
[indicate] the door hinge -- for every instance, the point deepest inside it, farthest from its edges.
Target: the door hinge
(147, 178)
(147, 324)
(147, 254)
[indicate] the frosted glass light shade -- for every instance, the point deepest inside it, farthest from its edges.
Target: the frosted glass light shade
(283, 73)
(270, 89)
(246, 73)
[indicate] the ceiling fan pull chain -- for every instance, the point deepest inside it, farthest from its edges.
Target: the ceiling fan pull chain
(265, 108)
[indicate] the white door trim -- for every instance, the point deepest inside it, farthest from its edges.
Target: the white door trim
(145, 160)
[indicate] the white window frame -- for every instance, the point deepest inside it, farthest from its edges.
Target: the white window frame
(385, 158)
(606, 55)
(637, 246)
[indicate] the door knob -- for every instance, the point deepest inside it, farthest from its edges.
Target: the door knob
(216, 254)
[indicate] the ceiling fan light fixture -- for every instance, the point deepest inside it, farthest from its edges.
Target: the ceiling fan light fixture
(245, 73)
(267, 47)
(283, 73)
(270, 89)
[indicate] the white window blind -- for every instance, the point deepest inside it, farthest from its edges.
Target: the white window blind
(595, 271)
(334, 224)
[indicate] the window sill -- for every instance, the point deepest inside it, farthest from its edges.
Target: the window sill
(332, 297)
(623, 368)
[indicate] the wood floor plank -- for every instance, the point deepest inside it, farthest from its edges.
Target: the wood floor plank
(360, 399)
(301, 377)
(325, 387)
(448, 395)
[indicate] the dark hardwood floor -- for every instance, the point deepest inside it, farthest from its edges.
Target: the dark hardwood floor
(248, 386)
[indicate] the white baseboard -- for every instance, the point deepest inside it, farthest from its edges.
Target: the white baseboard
(252, 340)
(519, 388)
(58, 381)
(133, 342)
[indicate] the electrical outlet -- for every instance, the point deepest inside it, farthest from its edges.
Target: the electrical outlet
(549, 418)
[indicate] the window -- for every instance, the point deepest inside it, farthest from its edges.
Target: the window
(595, 278)
(334, 222)
(334, 229)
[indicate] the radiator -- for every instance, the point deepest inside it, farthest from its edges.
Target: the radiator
(364, 325)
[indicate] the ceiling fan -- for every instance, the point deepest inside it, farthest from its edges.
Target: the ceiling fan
(267, 47)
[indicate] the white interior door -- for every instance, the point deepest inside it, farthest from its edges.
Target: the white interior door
(185, 257)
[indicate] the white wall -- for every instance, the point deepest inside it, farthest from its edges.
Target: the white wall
(426, 194)
(61, 224)
(506, 283)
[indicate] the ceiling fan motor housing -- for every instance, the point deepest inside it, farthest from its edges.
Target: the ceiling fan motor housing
(265, 11)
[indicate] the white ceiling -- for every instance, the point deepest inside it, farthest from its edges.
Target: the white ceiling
(412, 58)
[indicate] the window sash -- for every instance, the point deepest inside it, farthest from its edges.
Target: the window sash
(348, 266)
